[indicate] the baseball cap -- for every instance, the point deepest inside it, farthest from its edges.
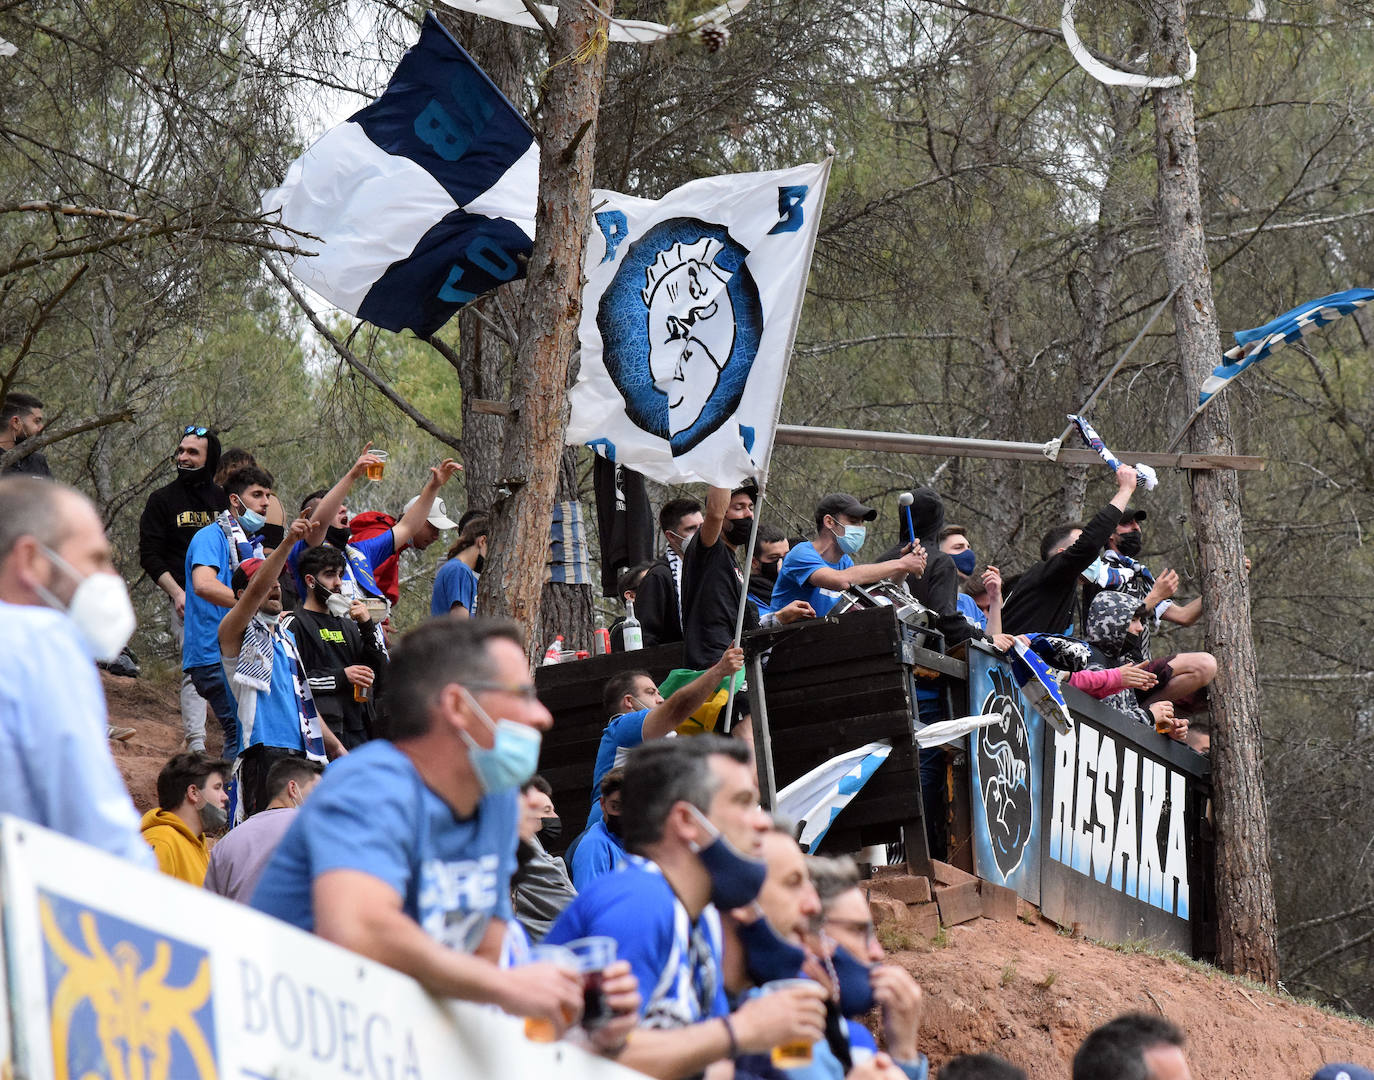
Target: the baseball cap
(246, 570)
(1133, 515)
(749, 487)
(838, 504)
(1343, 1072)
(438, 514)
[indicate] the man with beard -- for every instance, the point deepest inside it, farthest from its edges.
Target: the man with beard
(276, 711)
(21, 417)
(338, 646)
(173, 515)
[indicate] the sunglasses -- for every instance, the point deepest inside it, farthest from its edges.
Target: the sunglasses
(192, 429)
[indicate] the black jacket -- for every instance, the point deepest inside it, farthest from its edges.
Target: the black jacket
(656, 605)
(938, 587)
(328, 644)
(174, 513)
(1042, 601)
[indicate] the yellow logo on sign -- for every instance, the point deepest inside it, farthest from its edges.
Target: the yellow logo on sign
(112, 1017)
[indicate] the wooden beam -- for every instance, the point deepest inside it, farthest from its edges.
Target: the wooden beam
(489, 408)
(896, 442)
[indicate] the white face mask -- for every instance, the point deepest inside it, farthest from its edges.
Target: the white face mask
(99, 607)
(338, 605)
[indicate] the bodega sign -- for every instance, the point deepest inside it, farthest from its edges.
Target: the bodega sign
(1100, 826)
(109, 971)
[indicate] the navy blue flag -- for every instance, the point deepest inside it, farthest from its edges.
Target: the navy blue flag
(423, 200)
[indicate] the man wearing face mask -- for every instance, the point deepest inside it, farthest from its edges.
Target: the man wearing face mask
(540, 886)
(600, 849)
(693, 830)
(658, 600)
(455, 585)
(770, 549)
(276, 711)
(190, 799)
(819, 570)
(171, 517)
(213, 555)
(1119, 568)
(405, 851)
(954, 542)
(338, 646)
(62, 607)
(239, 858)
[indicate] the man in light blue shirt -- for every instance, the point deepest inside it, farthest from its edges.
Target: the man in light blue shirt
(55, 765)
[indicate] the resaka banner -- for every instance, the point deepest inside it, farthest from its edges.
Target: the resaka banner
(1101, 827)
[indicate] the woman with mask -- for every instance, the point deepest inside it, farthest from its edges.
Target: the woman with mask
(455, 585)
(540, 887)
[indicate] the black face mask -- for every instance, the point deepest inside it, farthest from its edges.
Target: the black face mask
(612, 823)
(321, 594)
(192, 476)
(1129, 544)
(1130, 643)
(337, 537)
(736, 530)
(769, 570)
(480, 564)
(550, 829)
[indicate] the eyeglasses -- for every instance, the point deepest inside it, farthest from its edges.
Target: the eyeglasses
(855, 926)
(520, 690)
(193, 429)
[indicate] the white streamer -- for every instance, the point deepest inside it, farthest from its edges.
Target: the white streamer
(1113, 76)
(634, 31)
(7, 48)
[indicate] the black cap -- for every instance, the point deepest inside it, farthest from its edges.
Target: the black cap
(838, 504)
(1133, 515)
(749, 487)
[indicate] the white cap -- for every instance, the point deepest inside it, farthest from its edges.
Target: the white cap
(438, 514)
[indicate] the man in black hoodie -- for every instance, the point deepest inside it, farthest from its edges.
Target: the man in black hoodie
(172, 515)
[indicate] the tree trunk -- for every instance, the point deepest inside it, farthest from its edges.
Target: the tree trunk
(1246, 941)
(513, 582)
(566, 609)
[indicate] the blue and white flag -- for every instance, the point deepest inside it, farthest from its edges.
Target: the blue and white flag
(1253, 346)
(688, 318)
(815, 800)
(422, 201)
(1040, 687)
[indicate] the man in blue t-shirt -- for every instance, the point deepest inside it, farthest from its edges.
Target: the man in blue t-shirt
(694, 831)
(404, 852)
(640, 714)
(455, 585)
(329, 521)
(818, 570)
(211, 559)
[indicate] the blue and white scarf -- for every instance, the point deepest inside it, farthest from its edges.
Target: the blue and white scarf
(240, 546)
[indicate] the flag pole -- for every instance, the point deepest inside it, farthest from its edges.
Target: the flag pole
(777, 413)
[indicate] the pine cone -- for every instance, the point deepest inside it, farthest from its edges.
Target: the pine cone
(713, 36)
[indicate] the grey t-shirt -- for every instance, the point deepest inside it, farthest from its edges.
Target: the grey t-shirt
(238, 859)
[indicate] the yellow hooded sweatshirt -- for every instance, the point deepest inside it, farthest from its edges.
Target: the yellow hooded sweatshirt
(180, 852)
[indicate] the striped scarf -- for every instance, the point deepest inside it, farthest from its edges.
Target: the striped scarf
(240, 547)
(686, 989)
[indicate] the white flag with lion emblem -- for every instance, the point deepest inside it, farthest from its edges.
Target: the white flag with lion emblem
(688, 316)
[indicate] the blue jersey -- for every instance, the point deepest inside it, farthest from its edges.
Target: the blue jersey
(271, 718)
(361, 559)
(455, 583)
(598, 852)
(969, 609)
(622, 735)
(794, 577)
(675, 959)
(372, 812)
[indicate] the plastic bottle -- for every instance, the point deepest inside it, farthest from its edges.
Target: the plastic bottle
(630, 629)
(554, 653)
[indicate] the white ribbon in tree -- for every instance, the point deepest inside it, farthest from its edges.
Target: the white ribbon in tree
(1110, 75)
(7, 48)
(635, 31)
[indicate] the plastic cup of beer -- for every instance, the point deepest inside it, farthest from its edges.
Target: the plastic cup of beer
(361, 693)
(594, 955)
(376, 468)
(537, 1029)
(792, 1055)
(1164, 724)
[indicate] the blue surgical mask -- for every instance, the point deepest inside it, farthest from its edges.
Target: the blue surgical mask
(851, 539)
(735, 879)
(965, 561)
(855, 983)
(767, 955)
(513, 756)
(251, 520)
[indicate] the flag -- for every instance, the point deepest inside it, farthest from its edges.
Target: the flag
(688, 317)
(1040, 687)
(422, 201)
(624, 519)
(1253, 346)
(568, 546)
(815, 800)
(1146, 477)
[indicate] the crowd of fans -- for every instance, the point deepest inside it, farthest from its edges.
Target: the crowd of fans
(424, 842)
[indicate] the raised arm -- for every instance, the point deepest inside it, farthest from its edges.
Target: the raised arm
(687, 699)
(717, 502)
(439, 475)
(328, 507)
(233, 624)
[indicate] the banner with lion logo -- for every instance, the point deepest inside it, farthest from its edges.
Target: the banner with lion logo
(688, 315)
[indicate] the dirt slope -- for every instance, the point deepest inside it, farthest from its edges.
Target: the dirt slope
(1027, 992)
